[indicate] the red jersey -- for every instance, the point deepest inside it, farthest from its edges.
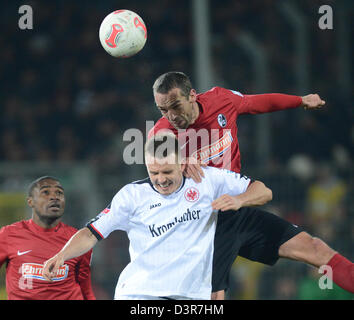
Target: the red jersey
(25, 246)
(212, 138)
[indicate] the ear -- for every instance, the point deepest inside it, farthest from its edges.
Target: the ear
(30, 202)
(193, 95)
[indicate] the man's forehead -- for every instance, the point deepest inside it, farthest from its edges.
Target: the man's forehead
(49, 183)
(168, 98)
(155, 162)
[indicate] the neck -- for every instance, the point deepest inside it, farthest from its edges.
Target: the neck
(45, 222)
(195, 113)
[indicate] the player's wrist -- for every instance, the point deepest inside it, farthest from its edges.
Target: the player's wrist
(61, 257)
(239, 201)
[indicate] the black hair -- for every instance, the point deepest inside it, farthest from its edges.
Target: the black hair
(35, 183)
(173, 79)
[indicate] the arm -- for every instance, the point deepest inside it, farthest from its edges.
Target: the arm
(81, 242)
(263, 103)
(256, 194)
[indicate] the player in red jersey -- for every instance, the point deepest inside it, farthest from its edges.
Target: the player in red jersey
(205, 124)
(27, 244)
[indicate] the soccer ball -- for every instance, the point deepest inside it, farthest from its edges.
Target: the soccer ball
(122, 33)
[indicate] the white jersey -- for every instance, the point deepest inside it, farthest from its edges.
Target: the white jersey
(171, 236)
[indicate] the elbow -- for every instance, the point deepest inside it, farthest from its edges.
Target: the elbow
(267, 194)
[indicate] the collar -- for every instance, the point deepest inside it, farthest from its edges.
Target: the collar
(40, 229)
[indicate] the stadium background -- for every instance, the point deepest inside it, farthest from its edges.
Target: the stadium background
(65, 104)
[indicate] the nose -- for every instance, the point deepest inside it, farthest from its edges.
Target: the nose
(54, 196)
(161, 179)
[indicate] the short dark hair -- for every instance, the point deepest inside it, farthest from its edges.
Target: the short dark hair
(173, 79)
(35, 183)
(162, 145)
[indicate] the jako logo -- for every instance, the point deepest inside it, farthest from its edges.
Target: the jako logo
(152, 206)
(35, 271)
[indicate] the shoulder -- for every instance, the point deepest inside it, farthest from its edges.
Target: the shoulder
(136, 185)
(215, 92)
(211, 172)
(14, 227)
(218, 98)
(133, 190)
(217, 173)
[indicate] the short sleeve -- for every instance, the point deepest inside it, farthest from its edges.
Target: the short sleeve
(228, 182)
(116, 216)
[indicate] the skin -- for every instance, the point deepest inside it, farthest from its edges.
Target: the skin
(48, 203)
(166, 175)
(179, 110)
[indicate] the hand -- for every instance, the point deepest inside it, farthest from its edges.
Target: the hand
(312, 101)
(193, 170)
(226, 202)
(51, 267)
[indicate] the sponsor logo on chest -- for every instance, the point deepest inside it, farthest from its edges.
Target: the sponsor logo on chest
(35, 271)
(187, 216)
(214, 150)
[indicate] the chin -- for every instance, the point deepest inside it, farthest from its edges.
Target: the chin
(53, 215)
(165, 192)
(183, 126)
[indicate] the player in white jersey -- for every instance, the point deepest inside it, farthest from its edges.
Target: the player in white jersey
(170, 222)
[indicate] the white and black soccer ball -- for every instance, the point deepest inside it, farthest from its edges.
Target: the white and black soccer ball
(123, 33)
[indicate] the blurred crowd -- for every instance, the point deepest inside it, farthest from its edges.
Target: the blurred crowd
(63, 98)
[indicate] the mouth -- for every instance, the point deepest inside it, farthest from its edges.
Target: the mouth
(164, 186)
(54, 205)
(180, 124)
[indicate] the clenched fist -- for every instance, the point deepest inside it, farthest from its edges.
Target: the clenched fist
(312, 101)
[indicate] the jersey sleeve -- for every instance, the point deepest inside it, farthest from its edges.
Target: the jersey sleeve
(228, 182)
(84, 276)
(263, 103)
(115, 216)
(3, 245)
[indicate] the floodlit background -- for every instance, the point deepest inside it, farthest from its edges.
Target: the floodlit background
(65, 104)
